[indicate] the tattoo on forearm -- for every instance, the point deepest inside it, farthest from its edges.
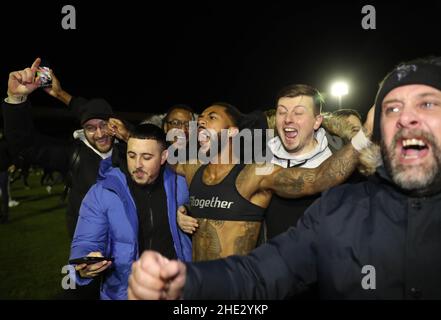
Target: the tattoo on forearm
(286, 183)
(295, 182)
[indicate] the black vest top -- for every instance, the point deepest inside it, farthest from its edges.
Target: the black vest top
(221, 201)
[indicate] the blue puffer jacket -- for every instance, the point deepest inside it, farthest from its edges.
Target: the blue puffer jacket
(108, 223)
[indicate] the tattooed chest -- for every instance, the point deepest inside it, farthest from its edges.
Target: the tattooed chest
(218, 238)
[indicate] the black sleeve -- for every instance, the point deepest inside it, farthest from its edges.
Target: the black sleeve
(18, 126)
(284, 266)
(26, 144)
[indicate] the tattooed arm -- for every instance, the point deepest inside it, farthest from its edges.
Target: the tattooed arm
(299, 182)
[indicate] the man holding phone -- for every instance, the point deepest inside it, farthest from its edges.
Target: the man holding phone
(131, 208)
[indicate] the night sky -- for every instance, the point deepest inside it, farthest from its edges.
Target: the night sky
(147, 58)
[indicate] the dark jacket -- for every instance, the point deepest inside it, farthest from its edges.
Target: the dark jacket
(46, 152)
(351, 229)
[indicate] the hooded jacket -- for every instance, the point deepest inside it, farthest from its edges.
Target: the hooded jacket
(108, 223)
(312, 159)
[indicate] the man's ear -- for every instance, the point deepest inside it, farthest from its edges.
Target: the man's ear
(164, 156)
(318, 121)
(232, 131)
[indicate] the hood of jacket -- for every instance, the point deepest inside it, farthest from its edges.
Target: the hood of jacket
(311, 159)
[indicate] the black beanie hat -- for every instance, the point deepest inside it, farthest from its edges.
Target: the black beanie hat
(94, 109)
(405, 74)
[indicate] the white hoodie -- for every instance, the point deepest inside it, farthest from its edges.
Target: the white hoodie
(312, 159)
(79, 134)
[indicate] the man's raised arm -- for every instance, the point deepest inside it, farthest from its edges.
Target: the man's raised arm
(299, 182)
(23, 140)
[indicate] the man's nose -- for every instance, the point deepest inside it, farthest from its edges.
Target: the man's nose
(138, 163)
(408, 119)
(289, 118)
(99, 132)
(201, 122)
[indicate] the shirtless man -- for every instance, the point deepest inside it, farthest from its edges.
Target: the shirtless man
(229, 200)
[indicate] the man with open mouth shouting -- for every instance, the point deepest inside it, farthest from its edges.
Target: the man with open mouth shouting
(411, 136)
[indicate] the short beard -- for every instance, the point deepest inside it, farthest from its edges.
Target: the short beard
(424, 184)
(95, 146)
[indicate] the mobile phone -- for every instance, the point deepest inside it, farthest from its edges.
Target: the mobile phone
(43, 72)
(45, 77)
(89, 260)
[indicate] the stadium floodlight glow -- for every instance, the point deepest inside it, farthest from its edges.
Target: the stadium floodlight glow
(339, 89)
